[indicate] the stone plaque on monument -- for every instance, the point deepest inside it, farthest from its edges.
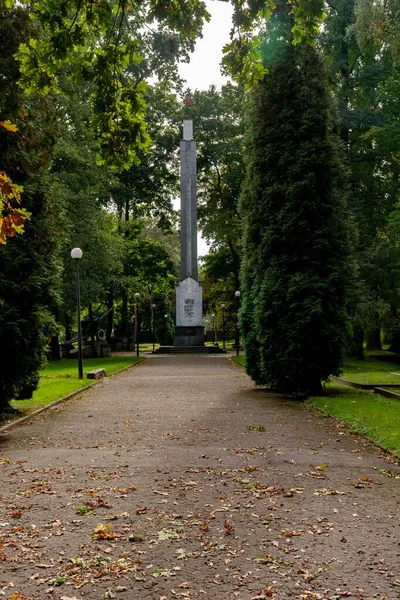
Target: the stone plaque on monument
(189, 304)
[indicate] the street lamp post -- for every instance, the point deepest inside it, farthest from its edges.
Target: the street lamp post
(135, 333)
(166, 328)
(237, 341)
(76, 254)
(152, 324)
(223, 325)
(213, 328)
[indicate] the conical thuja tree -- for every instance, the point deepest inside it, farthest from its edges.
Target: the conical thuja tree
(296, 243)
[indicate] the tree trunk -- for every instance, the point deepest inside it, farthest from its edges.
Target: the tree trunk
(395, 342)
(55, 347)
(91, 325)
(316, 388)
(374, 339)
(110, 315)
(124, 318)
(356, 345)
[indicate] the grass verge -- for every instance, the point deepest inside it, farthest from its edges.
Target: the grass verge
(362, 411)
(240, 360)
(371, 371)
(60, 378)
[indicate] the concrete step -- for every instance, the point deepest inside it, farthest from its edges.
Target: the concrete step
(190, 350)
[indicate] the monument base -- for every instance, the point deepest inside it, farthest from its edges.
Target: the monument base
(189, 336)
(189, 350)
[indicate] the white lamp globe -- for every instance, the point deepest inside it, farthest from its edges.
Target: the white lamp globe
(76, 253)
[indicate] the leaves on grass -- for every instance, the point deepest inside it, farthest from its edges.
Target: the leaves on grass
(389, 473)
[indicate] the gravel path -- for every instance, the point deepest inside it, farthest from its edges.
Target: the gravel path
(177, 479)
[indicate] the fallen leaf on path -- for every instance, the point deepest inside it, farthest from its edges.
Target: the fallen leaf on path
(291, 533)
(167, 534)
(229, 529)
(328, 492)
(268, 593)
(102, 532)
(163, 573)
(308, 575)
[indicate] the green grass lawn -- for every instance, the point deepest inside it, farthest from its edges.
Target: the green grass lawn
(370, 371)
(60, 378)
(240, 360)
(364, 412)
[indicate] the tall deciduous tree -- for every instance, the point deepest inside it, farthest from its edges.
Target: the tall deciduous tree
(218, 117)
(360, 42)
(295, 263)
(100, 40)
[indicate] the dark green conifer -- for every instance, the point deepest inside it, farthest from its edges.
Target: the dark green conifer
(296, 244)
(28, 270)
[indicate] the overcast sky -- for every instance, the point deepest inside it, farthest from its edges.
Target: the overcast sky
(203, 69)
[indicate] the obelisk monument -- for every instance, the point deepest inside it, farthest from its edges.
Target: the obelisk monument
(189, 330)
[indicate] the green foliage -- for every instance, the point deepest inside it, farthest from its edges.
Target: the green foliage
(149, 187)
(219, 131)
(84, 187)
(295, 271)
(359, 42)
(149, 263)
(99, 42)
(218, 117)
(243, 56)
(28, 268)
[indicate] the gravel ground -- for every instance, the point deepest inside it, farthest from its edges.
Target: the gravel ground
(178, 479)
